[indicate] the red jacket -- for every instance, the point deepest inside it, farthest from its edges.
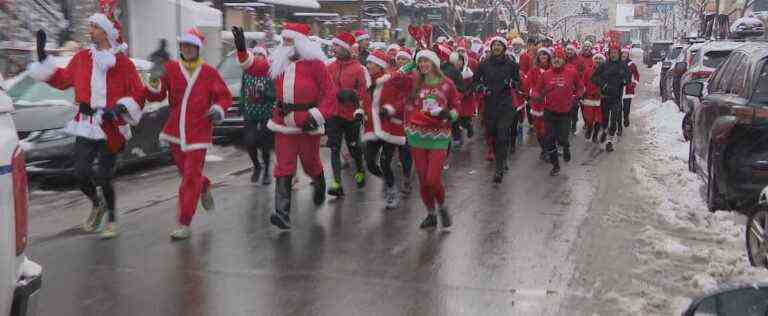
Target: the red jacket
(525, 62)
(119, 84)
(386, 94)
(190, 97)
(532, 80)
(591, 90)
(577, 63)
(629, 90)
(557, 87)
(348, 75)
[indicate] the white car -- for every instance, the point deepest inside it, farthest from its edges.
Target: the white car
(20, 278)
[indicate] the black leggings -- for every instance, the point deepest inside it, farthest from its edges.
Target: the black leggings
(405, 159)
(257, 136)
(462, 123)
(90, 178)
(340, 130)
(378, 158)
(611, 114)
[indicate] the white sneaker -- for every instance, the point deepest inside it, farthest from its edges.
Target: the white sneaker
(393, 198)
(206, 199)
(111, 231)
(182, 232)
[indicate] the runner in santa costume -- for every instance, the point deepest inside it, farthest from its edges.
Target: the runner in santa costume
(385, 113)
(109, 95)
(591, 110)
(428, 130)
(629, 89)
(405, 57)
(306, 96)
(542, 64)
(198, 97)
(363, 42)
(350, 80)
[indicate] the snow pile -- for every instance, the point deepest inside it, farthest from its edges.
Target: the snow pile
(683, 249)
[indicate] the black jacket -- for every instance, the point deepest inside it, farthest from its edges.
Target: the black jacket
(611, 77)
(499, 74)
(455, 75)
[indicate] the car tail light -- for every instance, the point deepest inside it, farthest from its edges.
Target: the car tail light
(20, 199)
(700, 75)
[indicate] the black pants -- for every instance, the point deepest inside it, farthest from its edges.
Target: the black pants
(558, 131)
(575, 113)
(462, 123)
(405, 159)
(90, 177)
(339, 130)
(611, 114)
(257, 137)
(378, 158)
(498, 125)
(626, 104)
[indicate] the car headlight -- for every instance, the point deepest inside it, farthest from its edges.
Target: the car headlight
(49, 135)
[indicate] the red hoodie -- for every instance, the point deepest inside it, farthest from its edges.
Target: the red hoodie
(351, 75)
(557, 87)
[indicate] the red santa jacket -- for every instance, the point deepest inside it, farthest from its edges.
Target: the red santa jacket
(101, 88)
(526, 63)
(252, 66)
(591, 90)
(348, 75)
(557, 87)
(191, 96)
(386, 94)
(303, 82)
(629, 90)
(532, 80)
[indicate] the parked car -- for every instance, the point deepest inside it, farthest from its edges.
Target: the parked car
(740, 299)
(656, 52)
(678, 68)
(20, 278)
(666, 64)
(703, 62)
(729, 144)
(231, 127)
(42, 112)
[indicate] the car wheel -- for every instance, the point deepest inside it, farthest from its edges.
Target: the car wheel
(713, 194)
(757, 245)
(691, 157)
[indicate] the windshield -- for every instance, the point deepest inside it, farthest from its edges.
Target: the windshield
(760, 95)
(713, 59)
(230, 70)
(29, 92)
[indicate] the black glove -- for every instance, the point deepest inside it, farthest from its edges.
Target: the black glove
(359, 117)
(41, 39)
(85, 109)
(310, 124)
(214, 116)
(346, 96)
(237, 33)
(383, 113)
(481, 88)
(444, 114)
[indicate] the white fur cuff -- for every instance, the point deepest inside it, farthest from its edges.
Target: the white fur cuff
(248, 62)
(317, 115)
(156, 90)
(390, 109)
(219, 109)
(359, 111)
(42, 71)
(134, 110)
(467, 73)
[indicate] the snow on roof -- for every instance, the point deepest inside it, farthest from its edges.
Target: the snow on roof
(203, 14)
(307, 4)
(720, 45)
(316, 14)
(227, 35)
(247, 4)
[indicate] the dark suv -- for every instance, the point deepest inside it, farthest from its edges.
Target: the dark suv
(656, 52)
(729, 146)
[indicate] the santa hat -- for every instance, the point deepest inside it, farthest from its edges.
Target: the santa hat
(626, 49)
(111, 28)
(547, 51)
(378, 57)
(443, 52)
(429, 55)
(587, 43)
(192, 36)
(295, 31)
(404, 53)
(560, 53)
(598, 56)
(454, 58)
(518, 41)
(361, 35)
(259, 50)
(441, 39)
(393, 47)
(344, 39)
(498, 39)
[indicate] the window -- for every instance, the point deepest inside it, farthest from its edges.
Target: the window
(713, 59)
(760, 95)
(739, 78)
(719, 81)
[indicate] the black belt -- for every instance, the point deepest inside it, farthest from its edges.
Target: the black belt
(289, 107)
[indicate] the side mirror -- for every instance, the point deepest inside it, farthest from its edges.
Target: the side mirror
(693, 89)
(743, 300)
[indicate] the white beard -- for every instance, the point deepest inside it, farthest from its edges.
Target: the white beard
(281, 58)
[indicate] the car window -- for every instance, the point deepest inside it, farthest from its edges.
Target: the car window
(738, 81)
(714, 58)
(28, 92)
(760, 95)
(719, 82)
(694, 58)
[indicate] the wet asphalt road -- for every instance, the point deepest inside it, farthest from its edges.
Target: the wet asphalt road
(510, 251)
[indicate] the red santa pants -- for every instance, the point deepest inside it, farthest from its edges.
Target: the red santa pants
(429, 167)
(592, 115)
(305, 147)
(193, 182)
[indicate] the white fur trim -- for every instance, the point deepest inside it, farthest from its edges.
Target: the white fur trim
(191, 79)
(288, 130)
(376, 60)
(169, 138)
(219, 109)
(187, 38)
(537, 113)
(497, 38)
(99, 80)
(289, 79)
(453, 58)
(588, 102)
(403, 54)
(396, 120)
(393, 47)
(359, 111)
(435, 111)
(126, 131)
(389, 108)
(317, 115)
(248, 61)
(87, 126)
(42, 71)
(289, 120)
(134, 110)
(293, 35)
(105, 24)
(383, 79)
(467, 73)
(430, 55)
(156, 90)
(636, 82)
(629, 96)
(341, 43)
(360, 38)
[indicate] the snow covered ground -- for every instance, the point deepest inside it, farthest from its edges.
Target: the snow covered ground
(683, 250)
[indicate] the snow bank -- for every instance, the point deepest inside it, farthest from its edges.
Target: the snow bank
(683, 249)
